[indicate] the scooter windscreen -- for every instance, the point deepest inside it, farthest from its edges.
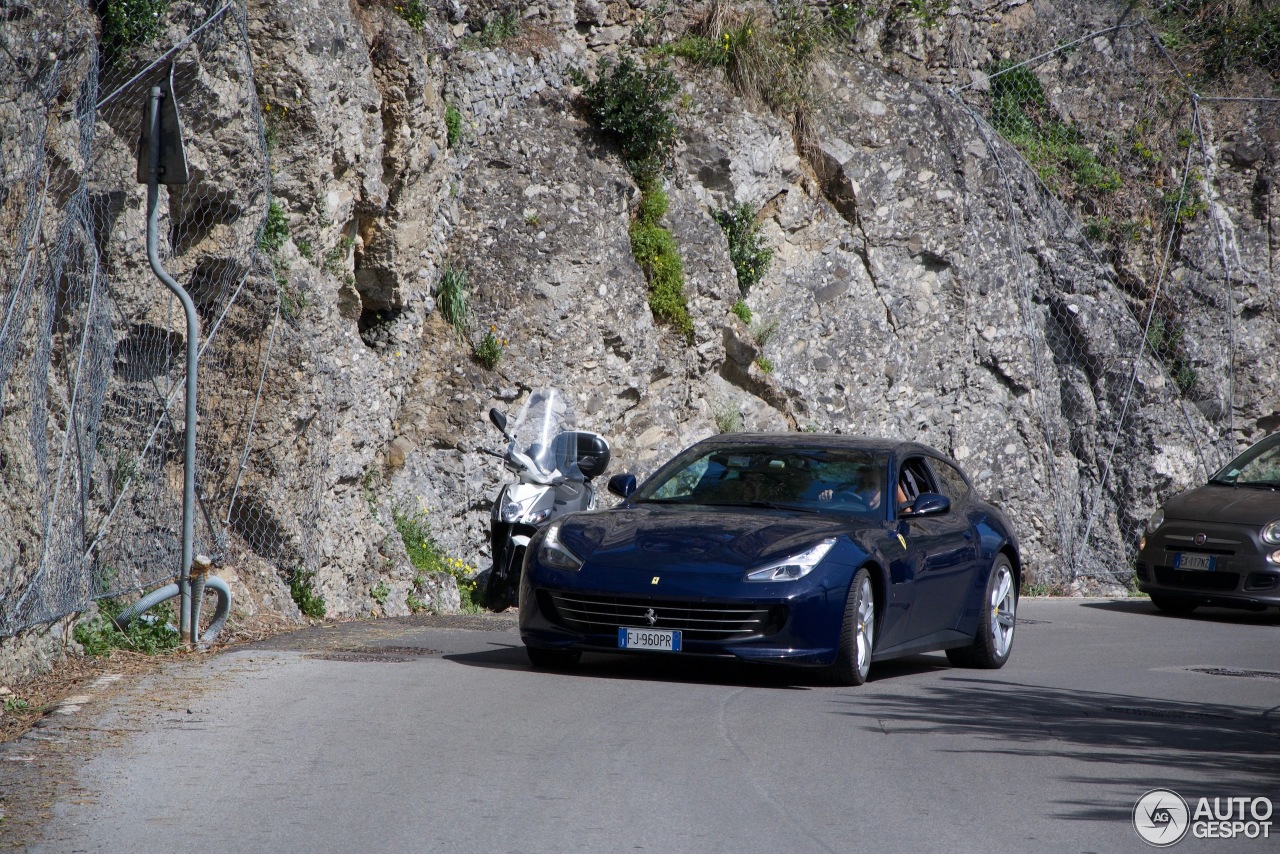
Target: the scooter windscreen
(545, 418)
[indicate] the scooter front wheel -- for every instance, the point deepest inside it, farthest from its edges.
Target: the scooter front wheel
(502, 588)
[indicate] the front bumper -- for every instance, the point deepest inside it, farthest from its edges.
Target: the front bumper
(793, 623)
(1240, 576)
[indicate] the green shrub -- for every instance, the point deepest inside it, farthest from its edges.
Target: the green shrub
(453, 295)
(928, 12)
(452, 125)
(763, 331)
(147, 633)
(129, 23)
(380, 593)
(765, 365)
(743, 313)
(1183, 204)
(1223, 36)
(1165, 339)
(302, 591)
(275, 231)
(490, 349)
(655, 250)
(699, 50)
(492, 32)
(414, 12)
(335, 259)
(631, 103)
(747, 251)
(653, 206)
(1056, 150)
(728, 420)
(427, 557)
(769, 59)
(846, 18)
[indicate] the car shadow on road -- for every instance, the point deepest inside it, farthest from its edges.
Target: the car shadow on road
(1134, 743)
(1143, 607)
(659, 668)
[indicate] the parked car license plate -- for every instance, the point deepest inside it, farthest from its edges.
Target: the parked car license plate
(662, 640)
(1182, 560)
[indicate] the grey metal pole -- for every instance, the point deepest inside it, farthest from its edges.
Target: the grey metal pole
(187, 627)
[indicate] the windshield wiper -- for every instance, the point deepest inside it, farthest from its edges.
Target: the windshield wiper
(1258, 484)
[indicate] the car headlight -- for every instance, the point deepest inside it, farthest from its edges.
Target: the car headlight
(556, 554)
(1271, 533)
(1156, 520)
(1274, 558)
(796, 566)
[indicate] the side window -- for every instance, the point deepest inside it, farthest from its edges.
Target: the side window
(951, 480)
(913, 479)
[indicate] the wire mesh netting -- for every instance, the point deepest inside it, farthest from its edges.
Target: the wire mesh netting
(92, 368)
(1145, 143)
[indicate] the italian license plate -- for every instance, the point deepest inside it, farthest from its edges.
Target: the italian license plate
(661, 640)
(1182, 560)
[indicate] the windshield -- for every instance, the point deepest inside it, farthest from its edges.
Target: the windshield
(830, 480)
(1259, 466)
(546, 415)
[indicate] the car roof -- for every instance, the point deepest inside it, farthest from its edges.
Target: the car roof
(898, 447)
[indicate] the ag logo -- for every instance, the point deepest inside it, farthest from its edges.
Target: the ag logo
(1161, 817)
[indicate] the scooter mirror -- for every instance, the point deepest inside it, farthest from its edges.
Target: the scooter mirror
(499, 420)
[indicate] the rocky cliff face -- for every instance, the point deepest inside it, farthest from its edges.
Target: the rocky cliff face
(924, 285)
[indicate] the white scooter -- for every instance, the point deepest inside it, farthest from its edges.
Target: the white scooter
(554, 465)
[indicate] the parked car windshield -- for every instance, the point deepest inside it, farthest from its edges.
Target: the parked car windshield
(829, 480)
(1259, 466)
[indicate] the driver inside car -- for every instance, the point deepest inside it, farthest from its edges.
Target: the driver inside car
(867, 489)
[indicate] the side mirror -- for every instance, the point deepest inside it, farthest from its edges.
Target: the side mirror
(499, 420)
(622, 485)
(930, 504)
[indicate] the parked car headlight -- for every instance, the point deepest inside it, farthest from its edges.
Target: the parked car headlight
(1156, 520)
(1271, 533)
(1274, 558)
(556, 554)
(796, 566)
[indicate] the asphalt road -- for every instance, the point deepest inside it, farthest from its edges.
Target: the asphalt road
(435, 735)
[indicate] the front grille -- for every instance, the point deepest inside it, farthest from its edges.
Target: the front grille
(699, 621)
(1190, 580)
(1211, 546)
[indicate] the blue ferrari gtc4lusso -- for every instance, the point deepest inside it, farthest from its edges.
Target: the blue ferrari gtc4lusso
(799, 549)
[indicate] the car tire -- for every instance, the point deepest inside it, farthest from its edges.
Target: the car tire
(857, 633)
(1175, 605)
(552, 659)
(994, 640)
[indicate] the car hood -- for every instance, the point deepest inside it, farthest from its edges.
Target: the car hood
(1218, 503)
(701, 538)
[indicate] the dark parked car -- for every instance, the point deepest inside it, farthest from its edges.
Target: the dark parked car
(1218, 544)
(799, 549)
